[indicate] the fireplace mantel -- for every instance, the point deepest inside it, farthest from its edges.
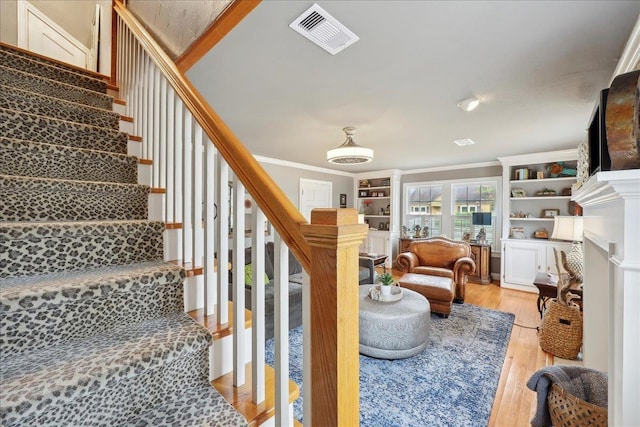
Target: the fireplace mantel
(611, 207)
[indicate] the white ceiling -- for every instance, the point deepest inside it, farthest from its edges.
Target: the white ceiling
(537, 66)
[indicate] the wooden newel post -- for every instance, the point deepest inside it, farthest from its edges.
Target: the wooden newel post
(334, 236)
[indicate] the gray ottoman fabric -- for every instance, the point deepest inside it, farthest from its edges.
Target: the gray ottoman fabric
(394, 330)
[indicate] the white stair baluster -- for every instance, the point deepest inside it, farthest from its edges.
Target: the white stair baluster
(187, 188)
(169, 156)
(281, 331)
(209, 229)
(198, 206)
(257, 304)
(222, 244)
(238, 283)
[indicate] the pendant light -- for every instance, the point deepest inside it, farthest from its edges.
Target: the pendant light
(349, 153)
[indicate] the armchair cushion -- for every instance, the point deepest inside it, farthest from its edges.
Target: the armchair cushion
(439, 256)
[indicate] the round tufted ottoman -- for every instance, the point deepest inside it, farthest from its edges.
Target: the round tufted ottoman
(393, 330)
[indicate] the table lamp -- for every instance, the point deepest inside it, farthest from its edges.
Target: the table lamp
(481, 218)
(570, 228)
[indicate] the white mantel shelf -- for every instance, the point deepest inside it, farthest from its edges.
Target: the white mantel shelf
(611, 207)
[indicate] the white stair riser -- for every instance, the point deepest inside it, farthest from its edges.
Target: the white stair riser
(221, 355)
(134, 148)
(156, 207)
(119, 108)
(194, 293)
(144, 174)
(126, 127)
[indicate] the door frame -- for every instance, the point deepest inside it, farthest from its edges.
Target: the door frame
(26, 9)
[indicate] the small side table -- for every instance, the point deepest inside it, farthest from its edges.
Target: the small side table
(482, 255)
(547, 291)
(377, 260)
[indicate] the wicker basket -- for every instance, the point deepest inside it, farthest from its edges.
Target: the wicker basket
(568, 411)
(561, 330)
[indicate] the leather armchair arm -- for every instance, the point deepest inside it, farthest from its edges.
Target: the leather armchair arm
(463, 267)
(407, 261)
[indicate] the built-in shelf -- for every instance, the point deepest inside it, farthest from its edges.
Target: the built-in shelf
(531, 219)
(530, 181)
(541, 198)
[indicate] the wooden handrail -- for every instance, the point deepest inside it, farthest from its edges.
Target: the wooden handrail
(277, 207)
(228, 19)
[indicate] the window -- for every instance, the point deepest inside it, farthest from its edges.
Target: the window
(424, 207)
(423, 204)
(467, 199)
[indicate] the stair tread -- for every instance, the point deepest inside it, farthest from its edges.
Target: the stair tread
(30, 101)
(51, 61)
(212, 410)
(22, 80)
(37, 67)
(31, 248)
(49, 288)
(35, 127)
(93, 151)
(21, 157)
(47, 229)
(71, 185)
(63, 372)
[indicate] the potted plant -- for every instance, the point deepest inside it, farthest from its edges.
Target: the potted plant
(386, 280)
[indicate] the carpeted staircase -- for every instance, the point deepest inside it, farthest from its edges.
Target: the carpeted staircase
(92, 327)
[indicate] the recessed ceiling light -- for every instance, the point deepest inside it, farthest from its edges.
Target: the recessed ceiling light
(469, 104)
(464, 142)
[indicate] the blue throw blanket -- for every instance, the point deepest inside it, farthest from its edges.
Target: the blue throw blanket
(584, 383)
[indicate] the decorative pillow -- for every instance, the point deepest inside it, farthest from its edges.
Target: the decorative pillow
(248, 275)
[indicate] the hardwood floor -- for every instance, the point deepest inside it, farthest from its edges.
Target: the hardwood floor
(514, 404)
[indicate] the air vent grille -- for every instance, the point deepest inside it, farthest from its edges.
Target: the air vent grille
(324, 30)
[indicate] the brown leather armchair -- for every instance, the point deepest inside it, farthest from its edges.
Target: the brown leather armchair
(439, 256)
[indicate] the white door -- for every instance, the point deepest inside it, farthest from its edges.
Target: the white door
(314, 194)
(39, 34)
(95, 39)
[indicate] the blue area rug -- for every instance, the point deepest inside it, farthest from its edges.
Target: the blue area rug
(451, 383)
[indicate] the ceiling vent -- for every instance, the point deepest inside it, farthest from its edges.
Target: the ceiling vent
(324, 30)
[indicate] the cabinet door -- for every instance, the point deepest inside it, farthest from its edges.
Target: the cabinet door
(551, 260)
(379, 243)
(522, 262)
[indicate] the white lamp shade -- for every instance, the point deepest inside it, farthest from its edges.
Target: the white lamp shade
(567, 228)
(350, 154)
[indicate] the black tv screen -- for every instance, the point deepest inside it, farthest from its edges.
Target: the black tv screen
(599, 159)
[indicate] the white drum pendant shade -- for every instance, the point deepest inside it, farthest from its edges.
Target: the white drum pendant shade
(349, 153)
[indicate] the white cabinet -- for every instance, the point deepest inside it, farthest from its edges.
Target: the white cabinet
(377, 196)
(536, 187)
(523, 259)
(378, 242)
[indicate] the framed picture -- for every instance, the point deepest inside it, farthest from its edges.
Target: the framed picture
(518, 192)
(540, 175)
(343, 200)
(364, 193)
(550, 213)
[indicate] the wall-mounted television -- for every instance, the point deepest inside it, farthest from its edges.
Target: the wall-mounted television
(599, 159)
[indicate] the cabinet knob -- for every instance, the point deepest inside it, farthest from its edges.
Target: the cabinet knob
(539, 268)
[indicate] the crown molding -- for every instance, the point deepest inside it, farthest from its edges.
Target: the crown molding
(630, 57)
(287, 163)
(450, 167)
